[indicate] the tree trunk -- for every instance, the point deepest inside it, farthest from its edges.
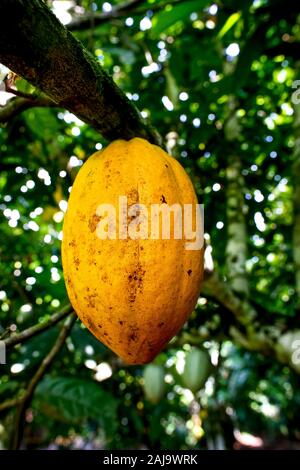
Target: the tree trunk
(236, 250)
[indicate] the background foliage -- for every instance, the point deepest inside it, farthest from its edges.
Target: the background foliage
(188, 66)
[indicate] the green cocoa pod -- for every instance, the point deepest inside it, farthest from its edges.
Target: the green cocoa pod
(196, 369)
(154, 382)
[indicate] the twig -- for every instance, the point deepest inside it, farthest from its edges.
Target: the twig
(251, 336)
(26, 399)
(99, 18)
(18, 105)
(38, 328)
(242, 310)
(9, 88)
(10, 403)
(134, 7)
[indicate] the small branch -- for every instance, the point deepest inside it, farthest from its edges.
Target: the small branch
(240, 338)
(18, 105)
(20, 94)
(118, 11)
(10, 403)
(9, 83)
(21, 291)
(252, 335)
(26, 399)
(220, 291)
(38, 328)
(132, 7)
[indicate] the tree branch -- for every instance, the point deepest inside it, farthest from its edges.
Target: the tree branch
(38, 328)
(118, 11)
(55, 62)
(45, 364)
(272, 340)
(219, 290)
(9, 403)
(134, 7)
(18, 105)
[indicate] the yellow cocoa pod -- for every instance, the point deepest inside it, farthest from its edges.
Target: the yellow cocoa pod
(132, 290)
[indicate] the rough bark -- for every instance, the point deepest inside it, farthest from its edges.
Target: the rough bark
(36, 46)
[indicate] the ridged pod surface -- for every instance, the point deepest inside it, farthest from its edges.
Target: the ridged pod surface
(132, 294)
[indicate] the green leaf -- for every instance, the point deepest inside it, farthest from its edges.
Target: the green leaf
(229, 24)
(171, 87)
(8, 388)
(251, 51)
(181, 12)
(82, 337)
(75, 400)
(42, 123)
